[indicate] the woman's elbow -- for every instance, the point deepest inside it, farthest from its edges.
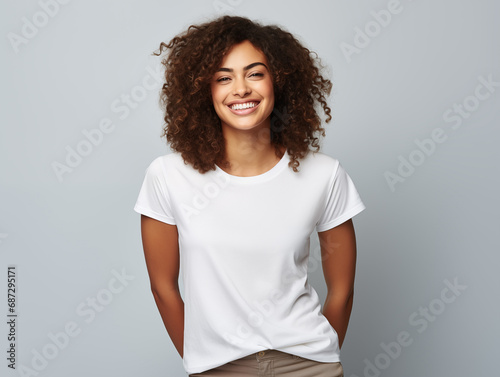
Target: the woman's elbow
(164, 291)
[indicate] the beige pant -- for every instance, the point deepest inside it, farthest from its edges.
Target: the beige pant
(272, 363)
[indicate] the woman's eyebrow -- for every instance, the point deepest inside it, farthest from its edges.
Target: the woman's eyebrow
(250, 66)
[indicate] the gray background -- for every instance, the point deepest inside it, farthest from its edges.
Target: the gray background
(66, 236)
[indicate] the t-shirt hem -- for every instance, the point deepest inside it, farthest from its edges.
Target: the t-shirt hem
(335, 360)
(204, 368)
(201, 369)
(154, 215)
(339, 220)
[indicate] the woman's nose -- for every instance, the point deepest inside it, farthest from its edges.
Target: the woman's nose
(241, 87)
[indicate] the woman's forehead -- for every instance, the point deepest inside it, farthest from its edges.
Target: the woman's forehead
(243, 54)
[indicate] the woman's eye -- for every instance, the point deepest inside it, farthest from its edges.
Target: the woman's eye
(221, 79)
(257, 74)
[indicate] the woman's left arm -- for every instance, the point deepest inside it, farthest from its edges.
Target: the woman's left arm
(338, 256)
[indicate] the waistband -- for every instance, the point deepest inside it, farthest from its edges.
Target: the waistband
(269, 354)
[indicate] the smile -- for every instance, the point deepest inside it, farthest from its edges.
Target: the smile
(243, 106)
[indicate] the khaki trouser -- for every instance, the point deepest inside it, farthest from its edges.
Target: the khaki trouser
(272, 363)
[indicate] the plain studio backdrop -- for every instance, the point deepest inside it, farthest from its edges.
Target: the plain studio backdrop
(415, 107)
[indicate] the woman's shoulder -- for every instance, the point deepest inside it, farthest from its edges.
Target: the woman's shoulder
(165, 163)
(168, 160)
(320, 161)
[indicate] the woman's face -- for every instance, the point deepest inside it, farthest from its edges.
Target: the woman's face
(242, 89)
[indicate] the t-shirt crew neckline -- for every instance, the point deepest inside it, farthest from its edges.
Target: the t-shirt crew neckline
(271, 173)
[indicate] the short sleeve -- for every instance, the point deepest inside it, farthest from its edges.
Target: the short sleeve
(153, 200)
(343, 201)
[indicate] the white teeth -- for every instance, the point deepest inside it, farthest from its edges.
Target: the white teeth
(242, 106)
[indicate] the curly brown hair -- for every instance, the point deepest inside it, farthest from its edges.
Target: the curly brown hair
(192, 126)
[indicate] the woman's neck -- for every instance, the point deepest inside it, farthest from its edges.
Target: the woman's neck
(250, 153)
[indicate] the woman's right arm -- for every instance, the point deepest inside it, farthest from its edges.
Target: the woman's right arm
(161, 249)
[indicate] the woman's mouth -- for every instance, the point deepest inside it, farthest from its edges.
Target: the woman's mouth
(244, 107)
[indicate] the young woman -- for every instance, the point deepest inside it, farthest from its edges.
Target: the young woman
(235, 204)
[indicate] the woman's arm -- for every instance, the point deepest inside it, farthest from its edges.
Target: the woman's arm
(338, 255)
(161, 249)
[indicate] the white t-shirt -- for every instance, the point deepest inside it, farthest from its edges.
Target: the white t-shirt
(244, 246)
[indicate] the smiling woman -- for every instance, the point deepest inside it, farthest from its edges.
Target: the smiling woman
(240, 104)
(195, 58)
(243, 98)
